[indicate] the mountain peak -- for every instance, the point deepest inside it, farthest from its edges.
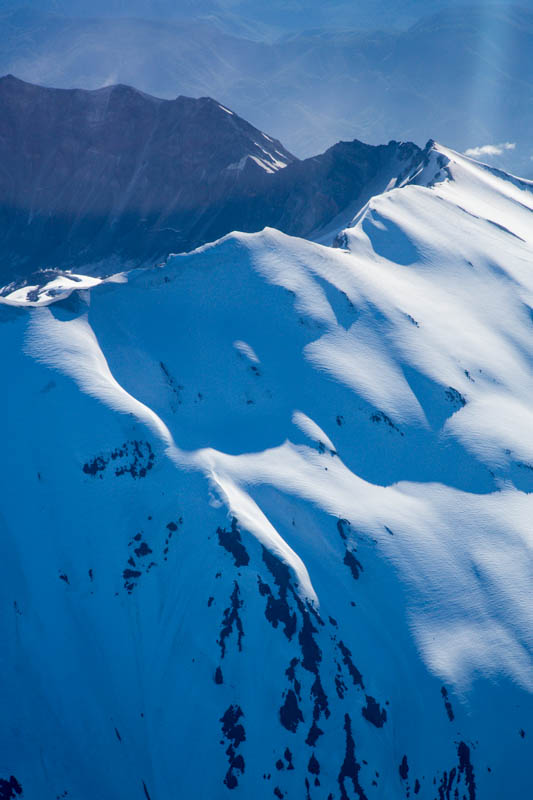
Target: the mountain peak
(12, 80)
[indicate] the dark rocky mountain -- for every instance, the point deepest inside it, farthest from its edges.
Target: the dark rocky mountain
(87, 174)
(99, 180)
(310, 195)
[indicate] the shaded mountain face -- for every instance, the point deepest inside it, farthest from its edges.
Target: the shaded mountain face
(89, 172)
(272, 539)
(110, 177)
(312, 197)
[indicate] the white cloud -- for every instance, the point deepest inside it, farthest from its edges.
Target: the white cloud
(489, 149)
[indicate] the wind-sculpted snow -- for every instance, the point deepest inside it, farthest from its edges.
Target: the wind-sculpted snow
(266, 524)
(71, 346)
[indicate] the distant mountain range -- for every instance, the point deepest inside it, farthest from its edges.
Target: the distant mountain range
(463, 75)
(100, 180)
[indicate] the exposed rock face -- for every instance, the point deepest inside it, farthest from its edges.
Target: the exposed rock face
(98, 180)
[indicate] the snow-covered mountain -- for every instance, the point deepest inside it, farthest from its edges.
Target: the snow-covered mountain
(266, 512)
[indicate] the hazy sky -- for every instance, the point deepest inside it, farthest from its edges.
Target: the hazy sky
(280, 14)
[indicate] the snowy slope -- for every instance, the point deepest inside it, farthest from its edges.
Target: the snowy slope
(266, 519)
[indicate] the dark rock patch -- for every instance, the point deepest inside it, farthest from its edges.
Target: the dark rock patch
(142, 550)
(279, 570)
(466, 769)
(130, 579)
(9, 788)
(231, 618)
(446, 785)
(290, 672)
(232, 542)
(447, 704)
(278, 610)
(349, 770)
(311, 658)
(314, 733)
(147, 795)
(374, 713)
(137, 459)
(311, 652)
(290, 714)
(380, 417)
(352, 669)
(353, 564)
(313, 767)
(235, 734)
(340, 686)
(321, 701)
(134, 458)
(454, 397)
(95, 466)
(343, 526)
(288, 758)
